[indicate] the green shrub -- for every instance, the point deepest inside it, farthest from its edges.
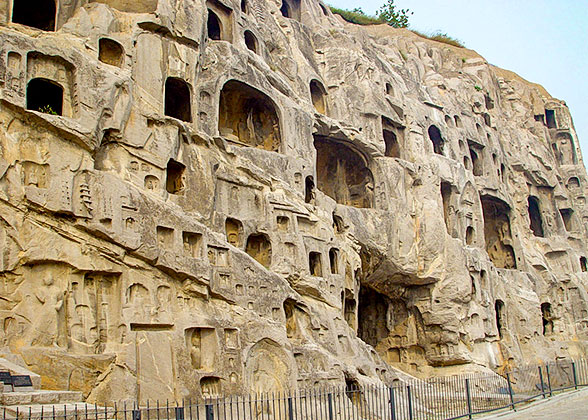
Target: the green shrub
(387, 13)
(47, 109)
(393, 17)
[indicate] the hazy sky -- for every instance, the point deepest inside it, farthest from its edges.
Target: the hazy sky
(545, 42)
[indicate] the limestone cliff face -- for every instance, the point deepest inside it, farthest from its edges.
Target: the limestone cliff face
(202, 197)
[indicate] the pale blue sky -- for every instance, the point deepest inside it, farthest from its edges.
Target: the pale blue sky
(544, 41)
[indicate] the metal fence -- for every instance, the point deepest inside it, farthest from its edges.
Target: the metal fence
(440, 398)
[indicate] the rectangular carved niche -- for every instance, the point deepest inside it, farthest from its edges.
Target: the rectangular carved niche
(567, 218)
(218, 257)
(202, 345)
(165, 238)
(192, 244)
(35, 175)
(94, 312)
(231, 338)
(393, 138)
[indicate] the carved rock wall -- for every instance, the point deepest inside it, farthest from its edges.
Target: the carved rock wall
(203, 197)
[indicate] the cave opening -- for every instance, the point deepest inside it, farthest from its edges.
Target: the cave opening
(567, 218)
(497, 232)
(334, 260)
(535, 219)
(309, 190)
(550, 118)
(214, 26)
(372, 314)
(318, 96)
(110, 52)
(477, 166)
(250, 41)
(446, 195)
(436, 139)
(349, 308)
(290, 9)
(393, 137)
(469, 235)
(315, 265)
(234, 231)
(248, 116)
(499, 313)
(547, 318)
(38, 14)
(44, 95)
(178, 99)
(259, 248)
(174, 182)
(343, 173)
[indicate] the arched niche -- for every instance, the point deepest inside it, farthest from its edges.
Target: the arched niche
(44, 95)
(251, 41)
(267, 367)
(343, 173)
(497, 232)
(259, 247)
(219, 21)
(535, 219)
(248, 116)
(567, 149)
(290, 9)
(213, 26)
(436, 139)
(318, 96)
(110, 52)
(547, 318)
(500, 315)
(393, 135)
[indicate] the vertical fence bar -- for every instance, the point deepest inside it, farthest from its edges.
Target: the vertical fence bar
(575, 376)
(209, 411)
(409, 399)
(468, 398)
(548, 379)
(512, 404)
(290, 408)
(330, 404)
(542, 383)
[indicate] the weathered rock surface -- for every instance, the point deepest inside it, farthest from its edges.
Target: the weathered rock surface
(219, 198)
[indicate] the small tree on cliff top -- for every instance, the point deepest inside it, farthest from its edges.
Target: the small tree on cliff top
(398, 18)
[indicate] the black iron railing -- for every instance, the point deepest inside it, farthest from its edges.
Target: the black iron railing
(440, 398)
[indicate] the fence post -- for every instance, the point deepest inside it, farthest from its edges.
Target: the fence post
(469, 398)
(136, 414)
(179, 413)
(290, 409)
(392, 404)
(575, 377)
(209, 412)
(542, 384)
(330, 401)
(409, 402)
(548, 380)
(512, 403)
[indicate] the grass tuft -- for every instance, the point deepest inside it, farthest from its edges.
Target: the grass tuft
(356, 17)
(440, 37)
